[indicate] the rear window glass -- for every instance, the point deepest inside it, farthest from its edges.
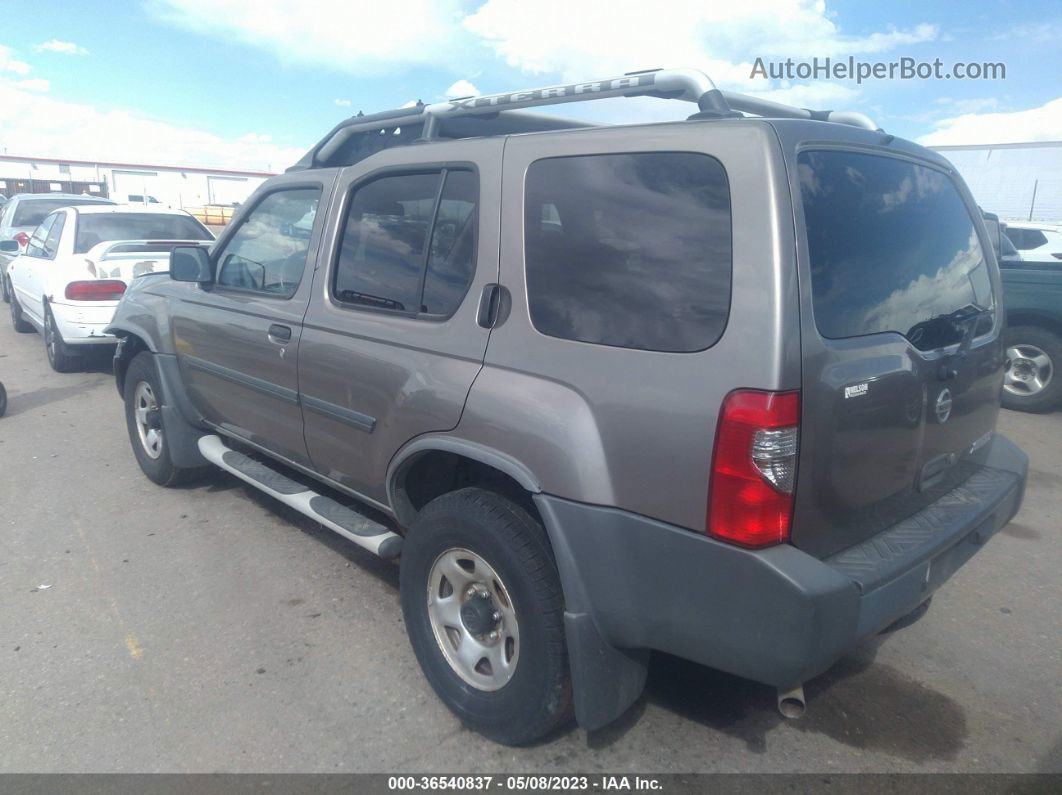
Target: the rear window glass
(31, 212)
(629, 250)
(95, 229)
(892, 248)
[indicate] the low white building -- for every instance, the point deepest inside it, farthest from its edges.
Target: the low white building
(1017, 182)
(177, 186)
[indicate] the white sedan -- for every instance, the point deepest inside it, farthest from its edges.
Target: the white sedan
(78, 264)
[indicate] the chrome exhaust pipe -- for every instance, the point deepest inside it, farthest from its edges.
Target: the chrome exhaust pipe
(791, 702)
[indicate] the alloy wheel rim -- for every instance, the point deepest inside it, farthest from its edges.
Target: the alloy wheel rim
(145, 414)
(473, 619)
(1029, 370)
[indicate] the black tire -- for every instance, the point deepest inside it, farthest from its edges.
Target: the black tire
(537, 699)
(3, 400)
(4, 288)
(1026, 339)
(60, 357)
(21, 325)
(159, 469)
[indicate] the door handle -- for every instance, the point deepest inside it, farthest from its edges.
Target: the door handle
(278, 333)
(490, 305)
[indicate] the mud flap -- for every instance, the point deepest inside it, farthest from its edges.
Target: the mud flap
(181, 435)
(605, 680)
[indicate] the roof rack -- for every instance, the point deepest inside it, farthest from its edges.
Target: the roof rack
(495, 113)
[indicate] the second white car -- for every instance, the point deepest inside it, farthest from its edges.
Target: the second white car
(78, 264)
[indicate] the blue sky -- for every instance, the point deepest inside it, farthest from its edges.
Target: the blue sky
(251, 84)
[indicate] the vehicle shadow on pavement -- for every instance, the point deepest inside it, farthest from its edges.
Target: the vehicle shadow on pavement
(858, 702)
(21, 402)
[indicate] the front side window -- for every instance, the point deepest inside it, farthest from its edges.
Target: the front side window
(408, 246)
(892, 248)
(267, 254)
(629, 250)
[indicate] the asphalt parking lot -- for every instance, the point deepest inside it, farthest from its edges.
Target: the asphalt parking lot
(210, 629)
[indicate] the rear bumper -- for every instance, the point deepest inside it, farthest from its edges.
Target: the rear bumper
(776, 615)
(84, 324)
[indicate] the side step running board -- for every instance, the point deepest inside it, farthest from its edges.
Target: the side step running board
(350, 524)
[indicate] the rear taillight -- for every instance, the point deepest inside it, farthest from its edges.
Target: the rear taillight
(96, 290)
(22, 239)
(750, 496)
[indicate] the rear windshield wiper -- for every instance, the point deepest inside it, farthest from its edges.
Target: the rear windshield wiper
(967, 318)
(946, 329)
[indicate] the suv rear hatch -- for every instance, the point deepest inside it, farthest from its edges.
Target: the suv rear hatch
(901, 357)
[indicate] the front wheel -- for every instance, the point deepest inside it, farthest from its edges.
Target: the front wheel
(143, 418)
(1031, 382)
(20, 324)
(485, 614)
(4, 288)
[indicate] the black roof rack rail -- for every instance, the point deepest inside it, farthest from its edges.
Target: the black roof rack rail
(419, 123)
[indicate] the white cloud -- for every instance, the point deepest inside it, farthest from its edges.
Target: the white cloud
(61, 47)
(462, 88)
(1036, 124)
(10, 64)
(576, 39)
(343, 103)
(359, 37)
(34, 84)
(38, 125)
(723, 39)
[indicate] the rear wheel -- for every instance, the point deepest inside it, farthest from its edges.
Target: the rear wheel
(485, 614)
(21, 325)
(60, 357)
(1031, 382)
(143, 418)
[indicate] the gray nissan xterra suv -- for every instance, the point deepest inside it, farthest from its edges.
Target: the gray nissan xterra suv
(724, 387)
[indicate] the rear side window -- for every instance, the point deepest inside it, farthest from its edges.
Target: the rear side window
(409, 243)
(51, 243)
(892, 248)
(629, 250)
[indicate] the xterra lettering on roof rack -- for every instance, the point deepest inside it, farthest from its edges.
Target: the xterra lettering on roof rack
(360, 136)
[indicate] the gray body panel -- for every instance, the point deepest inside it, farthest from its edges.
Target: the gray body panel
(861, 460)
(241, 378)
(631, 428)
(372, 380)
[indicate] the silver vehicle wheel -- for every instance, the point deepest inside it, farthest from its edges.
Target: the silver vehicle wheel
(49, 336)
(473, 619)
(148, 422)
(1029, 370)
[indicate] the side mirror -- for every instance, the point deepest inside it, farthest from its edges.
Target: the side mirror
(190, 264)
(9, 246)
